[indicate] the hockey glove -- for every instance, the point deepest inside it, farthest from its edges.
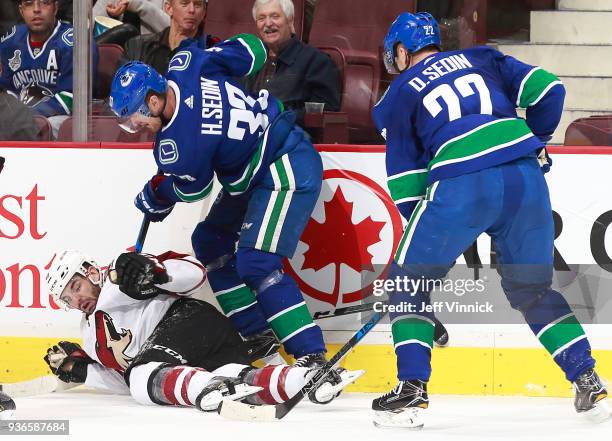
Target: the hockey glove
(155, 209)
(68, 362)
(137, 275)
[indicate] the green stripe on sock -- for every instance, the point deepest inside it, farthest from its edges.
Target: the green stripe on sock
(289, 322)
(539, 80)
(410, 185)
(235, 299)
(413, 328)
(561, 334)
(486, 137)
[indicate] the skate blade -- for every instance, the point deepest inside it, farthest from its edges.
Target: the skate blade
(326, 392)
(212, 401)
(237, 411)
(598, 414)
(410, 418)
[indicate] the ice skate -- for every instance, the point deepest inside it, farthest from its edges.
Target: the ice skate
(590, 399)
(403, 406)
(223, 388)
(264, 346)
(333, 385)
(315, 361)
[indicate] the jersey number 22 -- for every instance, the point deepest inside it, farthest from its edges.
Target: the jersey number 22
(465, 86)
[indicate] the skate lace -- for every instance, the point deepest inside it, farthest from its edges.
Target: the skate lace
(400, 387)
(303, 361)
(588, 381)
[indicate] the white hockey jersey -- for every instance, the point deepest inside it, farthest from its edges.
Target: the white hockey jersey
(114, 333)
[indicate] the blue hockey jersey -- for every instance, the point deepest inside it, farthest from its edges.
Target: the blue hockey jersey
(217, 127)
(40, 77)
(455, 113)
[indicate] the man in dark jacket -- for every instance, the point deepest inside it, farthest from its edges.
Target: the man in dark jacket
(295, 73)
(186, 21)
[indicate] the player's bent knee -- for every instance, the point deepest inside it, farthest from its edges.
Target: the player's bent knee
(255, 266)
(139, 378)
(210, 242)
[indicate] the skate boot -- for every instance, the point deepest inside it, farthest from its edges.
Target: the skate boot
(403, 406)
(264, 346)
(590, 396)
(314, 361)
(223, 388)
(333, 384)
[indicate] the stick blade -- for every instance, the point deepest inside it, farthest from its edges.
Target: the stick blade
(237, 411)
(37, 386)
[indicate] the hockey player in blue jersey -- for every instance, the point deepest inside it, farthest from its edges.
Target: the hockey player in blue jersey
(36, 59)
(460, 163)
(270, 173)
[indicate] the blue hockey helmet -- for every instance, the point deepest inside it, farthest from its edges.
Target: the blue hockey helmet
(415, 31)
(131, 85)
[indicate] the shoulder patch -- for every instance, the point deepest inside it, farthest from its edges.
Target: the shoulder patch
(168, 152)
(180, 61)
(9, 34)
(68, 37)
(15, 62)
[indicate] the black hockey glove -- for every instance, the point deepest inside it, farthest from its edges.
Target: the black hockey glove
(68, 362)
(137, 275)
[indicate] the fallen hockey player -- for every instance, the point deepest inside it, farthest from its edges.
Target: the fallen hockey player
(144, 335)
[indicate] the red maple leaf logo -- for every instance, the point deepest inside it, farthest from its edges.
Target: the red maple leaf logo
(337, 240)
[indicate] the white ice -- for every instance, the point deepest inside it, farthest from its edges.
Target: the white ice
(95, 416)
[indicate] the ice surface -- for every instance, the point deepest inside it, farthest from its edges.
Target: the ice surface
(95, 416)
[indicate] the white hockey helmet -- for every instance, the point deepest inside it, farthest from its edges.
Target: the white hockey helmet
(64, 266)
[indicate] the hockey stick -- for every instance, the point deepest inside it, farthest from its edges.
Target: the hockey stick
(343, 311)
(239, 411)
(142, 235)
(440, 332)
(37, 386)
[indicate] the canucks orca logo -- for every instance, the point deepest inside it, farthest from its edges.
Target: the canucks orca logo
(15, 62)
(168, 151)
(68, 37)
(180, 61)
(34, 94)
(126, 79)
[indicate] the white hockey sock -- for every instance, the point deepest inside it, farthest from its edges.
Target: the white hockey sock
(152, 383)
(279, 382)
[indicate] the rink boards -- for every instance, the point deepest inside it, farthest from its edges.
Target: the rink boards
(80, 196)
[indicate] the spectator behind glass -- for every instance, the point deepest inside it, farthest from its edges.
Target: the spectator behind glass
(186, 22)
(17, 122)
(294, 72)
(36, 59)
(150, 13)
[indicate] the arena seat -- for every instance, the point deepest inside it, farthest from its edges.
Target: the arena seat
(104, 129)
(592, 131)
(354, 41)
(225, 18)
(109, 59)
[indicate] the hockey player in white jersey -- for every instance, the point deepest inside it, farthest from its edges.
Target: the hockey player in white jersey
(147, 337)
